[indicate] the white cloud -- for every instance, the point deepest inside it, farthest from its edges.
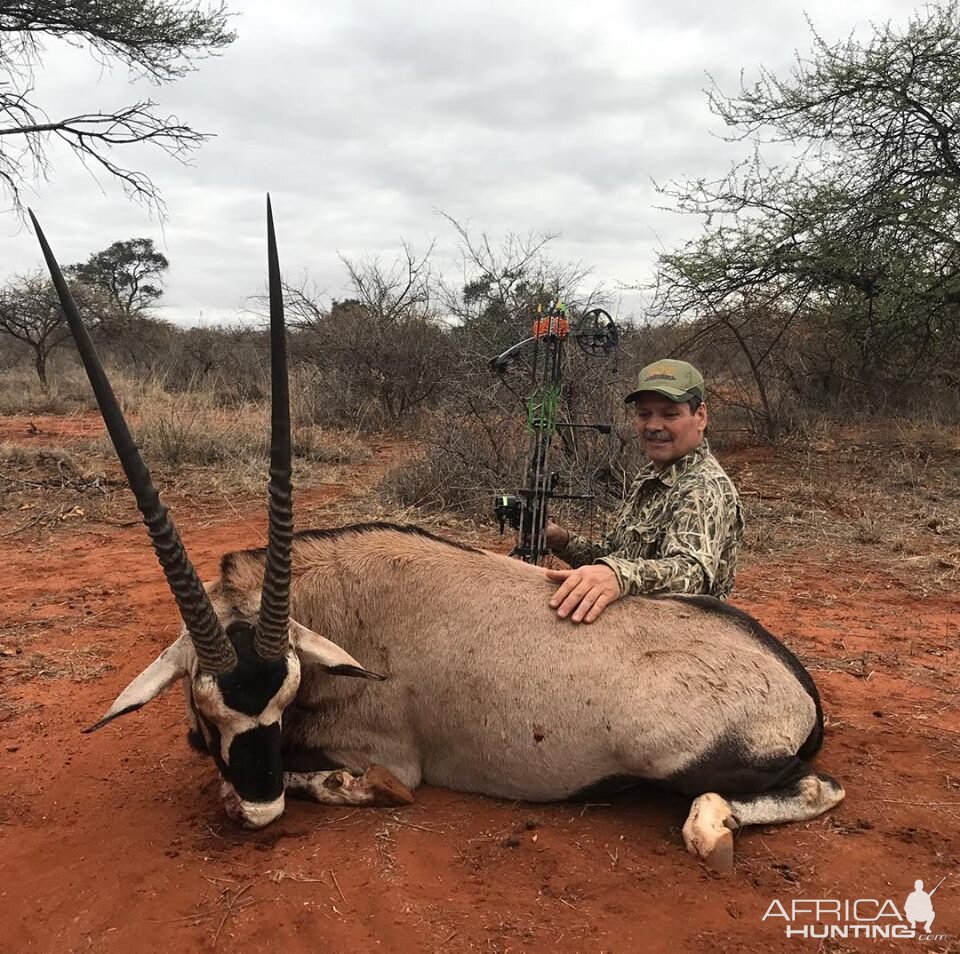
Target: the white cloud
(362, 118)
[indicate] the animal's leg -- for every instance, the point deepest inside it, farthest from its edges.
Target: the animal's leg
(708, 831)
(377, 786)
(806, 798)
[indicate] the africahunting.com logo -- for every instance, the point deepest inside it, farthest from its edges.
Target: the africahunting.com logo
(868, 918)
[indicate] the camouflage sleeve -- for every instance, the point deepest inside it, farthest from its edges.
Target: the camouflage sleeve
(691, 549)
(581, 550)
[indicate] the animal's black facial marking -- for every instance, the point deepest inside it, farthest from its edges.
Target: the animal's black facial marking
(239, 713)
(256, 768)
(253, 682)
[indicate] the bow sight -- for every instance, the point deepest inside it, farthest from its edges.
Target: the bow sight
(596, 335)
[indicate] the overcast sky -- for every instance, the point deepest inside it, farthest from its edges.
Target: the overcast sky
(362, 118)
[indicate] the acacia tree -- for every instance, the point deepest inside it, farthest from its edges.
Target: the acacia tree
(852, 253)
(30, 311)
(158, 39)
(383, 353)
(125, 272)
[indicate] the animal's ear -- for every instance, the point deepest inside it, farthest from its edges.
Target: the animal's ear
(314, 648)
(171, 664)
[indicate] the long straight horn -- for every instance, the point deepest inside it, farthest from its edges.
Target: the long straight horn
(272, 640)
(214, 650)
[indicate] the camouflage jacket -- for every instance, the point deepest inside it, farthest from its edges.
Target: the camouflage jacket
(677, 531)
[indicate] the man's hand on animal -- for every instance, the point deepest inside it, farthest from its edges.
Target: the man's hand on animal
(585, 592)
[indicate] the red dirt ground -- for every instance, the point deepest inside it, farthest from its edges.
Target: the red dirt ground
(42, 430)
(117, 841)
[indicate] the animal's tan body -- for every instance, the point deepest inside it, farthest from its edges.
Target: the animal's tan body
(488, 691)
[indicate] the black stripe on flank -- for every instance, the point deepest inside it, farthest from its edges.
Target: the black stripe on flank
(766, 639)
(728, 769)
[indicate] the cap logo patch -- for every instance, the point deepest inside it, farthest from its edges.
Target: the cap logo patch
(661, 374)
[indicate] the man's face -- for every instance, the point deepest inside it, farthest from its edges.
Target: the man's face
(668, 430)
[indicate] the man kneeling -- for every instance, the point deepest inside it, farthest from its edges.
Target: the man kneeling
(680, 526)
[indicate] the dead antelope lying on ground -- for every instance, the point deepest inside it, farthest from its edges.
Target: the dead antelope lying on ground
(473, 682)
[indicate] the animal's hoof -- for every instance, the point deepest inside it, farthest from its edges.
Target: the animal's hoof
(720, 856)
(708, 832)
(385, 787)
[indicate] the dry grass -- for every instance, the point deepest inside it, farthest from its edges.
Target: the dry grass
(77, 665)
(462, 465)
(190, 445)
(49, 487)
(890, 490)
(190, 440)
(21, 393)
(69, 391)
(189, 429)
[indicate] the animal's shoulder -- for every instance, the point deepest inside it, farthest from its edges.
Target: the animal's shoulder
(398, 531)
(242, 570)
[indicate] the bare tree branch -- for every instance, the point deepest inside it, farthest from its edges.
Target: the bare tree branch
(161, 39)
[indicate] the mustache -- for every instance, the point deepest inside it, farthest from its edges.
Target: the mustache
(655, 435)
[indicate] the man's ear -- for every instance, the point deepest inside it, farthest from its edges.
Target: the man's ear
(314, 648)
(170, 665)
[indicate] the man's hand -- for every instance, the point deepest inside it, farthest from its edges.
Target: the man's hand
(585, 592)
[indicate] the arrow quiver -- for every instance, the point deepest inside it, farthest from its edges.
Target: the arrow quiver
(527, 511)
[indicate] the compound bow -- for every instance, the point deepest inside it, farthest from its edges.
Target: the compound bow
(596, 335)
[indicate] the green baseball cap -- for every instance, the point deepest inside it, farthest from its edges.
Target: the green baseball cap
(676, 380)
